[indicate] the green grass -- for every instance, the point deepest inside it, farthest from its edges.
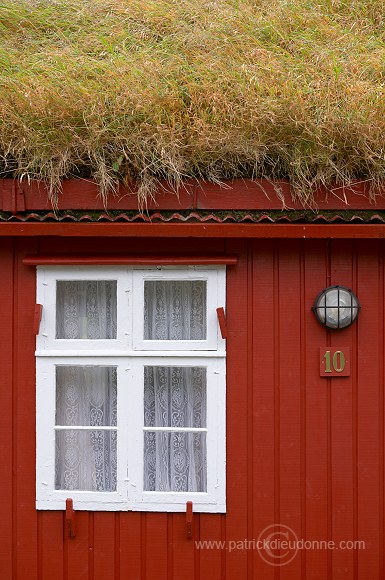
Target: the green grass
(164, 89)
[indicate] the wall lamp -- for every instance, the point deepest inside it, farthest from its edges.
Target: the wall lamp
(336, 307)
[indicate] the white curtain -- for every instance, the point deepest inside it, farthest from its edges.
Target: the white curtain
(86, 459)
(175, 310)
(176, 460)
(86, 309)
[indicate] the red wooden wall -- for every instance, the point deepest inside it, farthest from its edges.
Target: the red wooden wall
(302, 451)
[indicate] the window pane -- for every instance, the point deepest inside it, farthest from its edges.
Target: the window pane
(86, 309)
(86, 396)
(175, 310)
(174, 396)
(175, 461)
(86, 460)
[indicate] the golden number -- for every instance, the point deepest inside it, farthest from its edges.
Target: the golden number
(338, 361)
(327, 359)
(338, 367)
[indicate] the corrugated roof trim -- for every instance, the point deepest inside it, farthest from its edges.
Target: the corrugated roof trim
(202, 217)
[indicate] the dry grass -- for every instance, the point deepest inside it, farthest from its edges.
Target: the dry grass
(170, 89)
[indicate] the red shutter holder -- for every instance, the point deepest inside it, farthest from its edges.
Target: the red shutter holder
(70, 519)
(189, 520)
(222, 322)
(37, 318)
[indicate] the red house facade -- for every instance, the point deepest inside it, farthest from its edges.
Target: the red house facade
(303, 450)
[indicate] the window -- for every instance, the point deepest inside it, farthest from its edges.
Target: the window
(130, 388)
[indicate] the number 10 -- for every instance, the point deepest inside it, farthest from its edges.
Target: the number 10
(338, 361)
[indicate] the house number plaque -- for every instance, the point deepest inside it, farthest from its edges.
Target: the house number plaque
(335, 362)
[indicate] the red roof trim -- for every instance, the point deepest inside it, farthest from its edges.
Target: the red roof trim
(240, 194)
(178, 230)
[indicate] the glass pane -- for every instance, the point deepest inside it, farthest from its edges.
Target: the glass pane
(86, 309)
(86, 460)
(175, 310)
(175, 461)
(86, 395)
(174, 396)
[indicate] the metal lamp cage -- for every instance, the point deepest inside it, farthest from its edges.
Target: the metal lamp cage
(336, 307)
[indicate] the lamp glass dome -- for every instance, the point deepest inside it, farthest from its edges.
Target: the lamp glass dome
(336, 307)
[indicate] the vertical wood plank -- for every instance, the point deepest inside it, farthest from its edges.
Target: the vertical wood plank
(263, 400)
(289, 382)
(25, 522)
(370, 323)
(183, 549)
(316, 415)
(7, 532)
(343, 425)
(156, 545)
(104, 546)
(130, 546)
(79, 551)
(237, 376)
(51, 545)
(210, 558)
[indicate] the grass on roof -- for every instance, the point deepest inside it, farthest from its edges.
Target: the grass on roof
(170, 89)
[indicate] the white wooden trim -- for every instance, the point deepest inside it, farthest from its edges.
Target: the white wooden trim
(47, 278)
(215, 279)
(124, 353)
(177, 429)
(71, 353)
(214, 500)
(47, 497)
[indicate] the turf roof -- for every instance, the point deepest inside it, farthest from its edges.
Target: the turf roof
(151, 89)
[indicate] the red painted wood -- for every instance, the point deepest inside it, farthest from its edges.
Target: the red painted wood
(7, 442)
(83, 194)
(315, 415)
(238, 194)
(70, 519)
(123, 259)
(189, 520)
(288, 401)
(37, 318)
(330, 361)
(264, 194)
(200, 230)
(104, 545)
(369, 375)
(211, 558)
(51, 553)
(343, 422)
(238, 461)
(132, 552)
(264, 370)
(181, 549)
(25, 516)
(79, 551)
(156, 552)
(115, 245)
(302, 451)
(222, 322)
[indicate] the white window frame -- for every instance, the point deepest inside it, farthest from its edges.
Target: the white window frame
(130, 353)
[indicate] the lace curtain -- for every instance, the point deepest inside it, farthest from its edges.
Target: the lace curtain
(175, 310)
(86, 309)
(86, 459)
(175, 460)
